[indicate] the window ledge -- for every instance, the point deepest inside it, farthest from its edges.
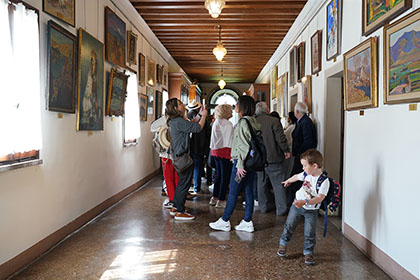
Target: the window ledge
(8, 167)
(130, 144)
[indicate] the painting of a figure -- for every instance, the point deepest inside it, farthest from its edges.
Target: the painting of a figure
(143, 107)
(62, 50)
(333, 28)
(150, 99)
(360, 76)
(402, 60)
(61, 9)
(115, 33)
(90, 101)
(377, 12)
(116, 93)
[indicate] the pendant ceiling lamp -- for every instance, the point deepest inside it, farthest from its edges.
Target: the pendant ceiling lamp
(215, 7)
(219, 51)
(222, 82)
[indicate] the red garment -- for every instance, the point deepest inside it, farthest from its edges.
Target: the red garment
(171, 177)
(222, 153)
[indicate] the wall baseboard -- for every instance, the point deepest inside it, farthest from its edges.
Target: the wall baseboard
(391, 267)
(31, 254)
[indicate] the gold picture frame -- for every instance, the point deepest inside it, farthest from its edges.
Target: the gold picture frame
(151, 72)
(117, 92)
(361, 76)
(316, 52)
(131, 47)
(307, 92)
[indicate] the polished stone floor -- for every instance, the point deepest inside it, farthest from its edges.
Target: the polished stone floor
(138, 239)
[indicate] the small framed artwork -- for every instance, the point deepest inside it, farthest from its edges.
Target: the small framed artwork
(64, 10)
(165, 76)
(142, 70)
(151, 72)
(284, 94)
(333, 29)
(158, 81)
(161, 74)
(150, 98)
(117, 91)
(361, 76)
(307, 91)
(62, 78)
(158, 104)
(143, 107)
(376, 13)
(316, 52)
(131, 47)
(90, 86)
(401, 60)
(301, 61)
(292, 66)
(274, 82)
(115, 32)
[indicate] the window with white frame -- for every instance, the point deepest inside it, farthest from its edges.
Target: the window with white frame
(132, 111)
(20, 110)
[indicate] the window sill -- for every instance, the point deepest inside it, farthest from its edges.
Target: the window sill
(5, 168)
(130, 144)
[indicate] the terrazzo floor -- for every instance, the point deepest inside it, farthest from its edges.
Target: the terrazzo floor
(138, 239)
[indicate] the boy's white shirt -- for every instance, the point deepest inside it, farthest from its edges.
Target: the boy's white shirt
(308, 189)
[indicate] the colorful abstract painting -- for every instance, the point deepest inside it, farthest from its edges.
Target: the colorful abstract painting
(115, 39)
(61, 9)
(333, 28)
(91, 98)
(62, 52)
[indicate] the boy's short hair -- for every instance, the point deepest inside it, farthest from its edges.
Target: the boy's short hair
(313, 156)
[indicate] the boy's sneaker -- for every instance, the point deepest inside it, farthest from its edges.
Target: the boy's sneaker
(221, 204)
(168, 205)
(220, 225)
(172, 212)
(213, 201)
(309, 260)
(282, 251)
(184, 216)
(245, 226)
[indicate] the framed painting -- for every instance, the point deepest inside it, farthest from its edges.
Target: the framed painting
(143, 107)
(142, 70)
(292, 66)
(150, 99)
(158, 81)
(114, 38)
(131, 47)
(161, 74)
(376, 13)
(64, 10)
(307, 92)
(360, 76)
(151, 72)
(158, 104)
(316, 52)
(165, 76)
(333, 29)
(300, 61)
(284, 95)
(117, 92)
(402, 60)
(62, 54)
(274, 82)
(90, 86)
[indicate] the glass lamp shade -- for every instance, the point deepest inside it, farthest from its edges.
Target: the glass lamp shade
(215, 7)
(219, 51)
(221, 83)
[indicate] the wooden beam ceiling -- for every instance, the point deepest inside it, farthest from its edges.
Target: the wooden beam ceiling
(251, 32)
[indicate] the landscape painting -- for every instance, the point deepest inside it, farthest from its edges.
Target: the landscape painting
(333, 28)
(62, 52)
(377, 12)
(360, 76)
(91, 98)
(402, 60)
(115, 33)
(61, 9)
(117, 91)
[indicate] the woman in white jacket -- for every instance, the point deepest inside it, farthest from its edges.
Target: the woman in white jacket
(220, 145)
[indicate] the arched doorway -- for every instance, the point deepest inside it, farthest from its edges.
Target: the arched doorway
(224, 96)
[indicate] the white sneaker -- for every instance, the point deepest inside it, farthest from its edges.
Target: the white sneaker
(220, 225)
(221, 204)
(245, 226)
(213, 201)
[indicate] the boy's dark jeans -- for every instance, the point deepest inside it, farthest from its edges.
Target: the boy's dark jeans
(309, 228)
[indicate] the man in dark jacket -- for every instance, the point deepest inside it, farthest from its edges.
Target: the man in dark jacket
(277, 151)
(304, 138)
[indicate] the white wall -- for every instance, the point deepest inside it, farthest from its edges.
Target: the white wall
(78, 171)
(380, 148)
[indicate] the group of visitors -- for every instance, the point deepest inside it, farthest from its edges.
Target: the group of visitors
(289, 151)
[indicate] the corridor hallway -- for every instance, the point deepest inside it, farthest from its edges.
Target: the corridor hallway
(138, 239)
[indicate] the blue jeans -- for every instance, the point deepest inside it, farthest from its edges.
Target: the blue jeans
(223, 174)
(245, 184)
(309, 228)
(198, 169)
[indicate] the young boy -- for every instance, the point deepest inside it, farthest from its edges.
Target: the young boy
(307, 203)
